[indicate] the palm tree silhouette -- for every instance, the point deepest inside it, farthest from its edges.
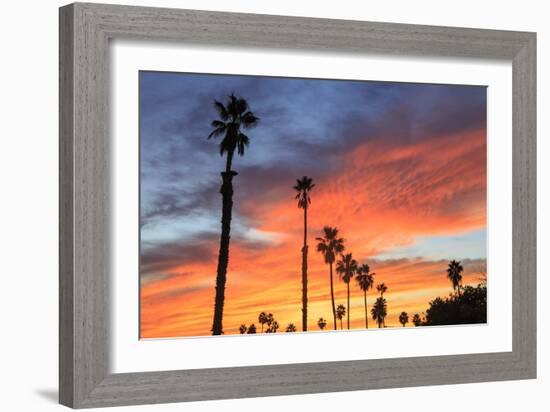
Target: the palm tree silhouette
(403, 318)
(365, 280)
(330, 245)
(454, 274)
(262, 318)
(290, 328)
(268, 320)
(346, 268)
(379, 311)
(340, 313)
(322, 323)
(251, 329)
(233, 117)
(416, 320)
(273, 327)
(382, 288)
(303, 187)
(242, 329)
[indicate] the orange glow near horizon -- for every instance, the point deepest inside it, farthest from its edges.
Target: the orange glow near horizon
(383, 198)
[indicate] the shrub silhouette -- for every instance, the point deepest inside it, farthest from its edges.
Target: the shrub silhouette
(467, 308)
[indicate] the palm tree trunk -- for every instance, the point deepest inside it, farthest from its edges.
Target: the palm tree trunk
(366, 312)
(304, 274)
(348, 306)
(332, 297)
(223, 256)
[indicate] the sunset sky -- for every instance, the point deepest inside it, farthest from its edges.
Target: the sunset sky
(399, 168)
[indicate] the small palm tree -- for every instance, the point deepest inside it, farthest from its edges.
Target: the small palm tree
(330, 245)
(303, 187)
(340, 313)
(290, 328)
(454, 274)
(234, 116)
(416, 320)
(251, 329)
(273, 327)
(382, 288)
(269, 319)
(262, 318)
(403, 318)
(242, 329)
(379, 311)
(365, 280)
(322, 323)
(346, 267)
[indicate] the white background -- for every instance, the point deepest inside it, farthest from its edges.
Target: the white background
(132, 355)
(28, 169)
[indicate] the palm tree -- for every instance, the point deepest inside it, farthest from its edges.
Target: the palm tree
(382, 288)
(268, 320)
(290, 328)
(262, 318)
(365, 280)
(273, 327)
(242, 329)
(454, 274)
(330, 245)
(340, 313)
(251, 329)
(303, 187)
(233, 118)
(346, 268)
(322, 323)
(403, 318)
(416, 320)
(379, 311)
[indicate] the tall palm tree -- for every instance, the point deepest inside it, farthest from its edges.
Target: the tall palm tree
(454, 274)
(330, 245)
(262, 318)
(382, 288)
(303, 187)
(234, 117)
(379, 311)
(290, 328)
(365, 280)
(322, 323)
(403, 318)
(416, 320)
(340, 313)
(242, 329)
(346, 267)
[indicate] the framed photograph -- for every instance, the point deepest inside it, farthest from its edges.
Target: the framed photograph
(257, 205)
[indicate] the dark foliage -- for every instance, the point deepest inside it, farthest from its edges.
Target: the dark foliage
(468, 307)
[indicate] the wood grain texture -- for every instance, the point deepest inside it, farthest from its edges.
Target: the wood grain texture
(85, 31)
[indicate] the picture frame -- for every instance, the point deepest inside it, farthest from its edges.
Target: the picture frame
(84, 356)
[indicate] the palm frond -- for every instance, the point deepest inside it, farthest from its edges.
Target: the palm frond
(249, 120)
(241, 106)
(222, 110)
(242, 142)
(216, 132)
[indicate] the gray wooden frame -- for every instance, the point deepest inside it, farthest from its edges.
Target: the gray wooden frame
(85, 31)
